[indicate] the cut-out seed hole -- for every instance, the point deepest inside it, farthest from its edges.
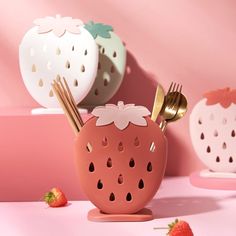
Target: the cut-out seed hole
(67, 65)
(120, 147)
(40, 83)
(128, 197)
(85, 52)
(82, 68)
(199, 121)
(32, 52)
(105, 82)
(202, 136)
(224, 121)
(149, 167)
(131, 163)
(49, 65)
(114, 54)
(208, 149)
(112, 197)
(76, 83)
(112, 70)
(136, 142)
(99, 184)
(215, 133)
(104, 141)
(120, 179)
(89, 147)
(217, 159)
(141, 184)
(224, 146)
(103, 50)
(91, 167)
(99, 65)
(96, 92)
(109, 162)
(73, 48)
(152, 147)
(51, 93)
(58, 51)
(231, 160)
(33, 68)
(233, 133)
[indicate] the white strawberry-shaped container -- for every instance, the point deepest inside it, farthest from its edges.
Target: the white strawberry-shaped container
(111, 65)
(213, 131)
(125, 163)
(58, 47)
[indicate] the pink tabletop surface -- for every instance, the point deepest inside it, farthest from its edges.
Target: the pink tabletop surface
(209, 212)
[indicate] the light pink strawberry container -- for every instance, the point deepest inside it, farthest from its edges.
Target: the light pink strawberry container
(121, 156)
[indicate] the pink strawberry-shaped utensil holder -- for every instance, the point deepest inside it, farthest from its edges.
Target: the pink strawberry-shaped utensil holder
(121, 158)
(213, 134)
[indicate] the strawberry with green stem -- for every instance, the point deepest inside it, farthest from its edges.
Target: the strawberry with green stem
(111, 65)
(55, 198)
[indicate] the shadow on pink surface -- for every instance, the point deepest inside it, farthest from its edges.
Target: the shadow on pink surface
(182, 206)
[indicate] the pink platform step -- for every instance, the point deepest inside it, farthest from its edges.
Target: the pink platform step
(36, 153)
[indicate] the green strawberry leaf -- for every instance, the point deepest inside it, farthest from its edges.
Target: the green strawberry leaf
(98, 29)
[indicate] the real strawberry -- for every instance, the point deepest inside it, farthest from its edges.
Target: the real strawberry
(55, 198)
(179, 228)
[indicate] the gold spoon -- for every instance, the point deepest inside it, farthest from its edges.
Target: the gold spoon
(181, 109)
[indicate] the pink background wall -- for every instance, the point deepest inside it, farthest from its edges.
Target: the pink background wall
(187, 41)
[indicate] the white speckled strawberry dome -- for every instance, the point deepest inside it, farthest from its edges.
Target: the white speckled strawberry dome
(213, 130)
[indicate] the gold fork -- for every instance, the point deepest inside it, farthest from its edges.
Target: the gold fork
(171, 104)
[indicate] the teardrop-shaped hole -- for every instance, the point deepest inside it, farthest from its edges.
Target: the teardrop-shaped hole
(112, 197)
(152, 147)
(208, 149)
(40, 83)
(114, 54)
(128, 197)
(109, 162)
(202, 136)
(96, 92)
(105, 82)
(120, 179)
(50, 93)
(33, 68)
(82, 68)
(85, 52)
(120, 147)
(99, 184)
(91, 167)
(149, 167)
(58, 51)
(136, 142)
(99, 65)
(67, 65)
(112, 70)
(141, 184)
(131, 163)
(231, 160)
(233, 133)
(217, 159)
(73, 48)
(89, 147)
(216, 133)
(76, 83)
(104, 141)
(224, 146)
(200, 121)
(103, 50)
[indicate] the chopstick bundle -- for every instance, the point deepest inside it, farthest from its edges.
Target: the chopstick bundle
(68, 104)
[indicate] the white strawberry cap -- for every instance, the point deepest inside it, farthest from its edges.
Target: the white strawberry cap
(121, 115)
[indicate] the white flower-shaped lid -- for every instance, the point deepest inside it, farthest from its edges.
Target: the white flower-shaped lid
(121, 115)
(58, 25)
